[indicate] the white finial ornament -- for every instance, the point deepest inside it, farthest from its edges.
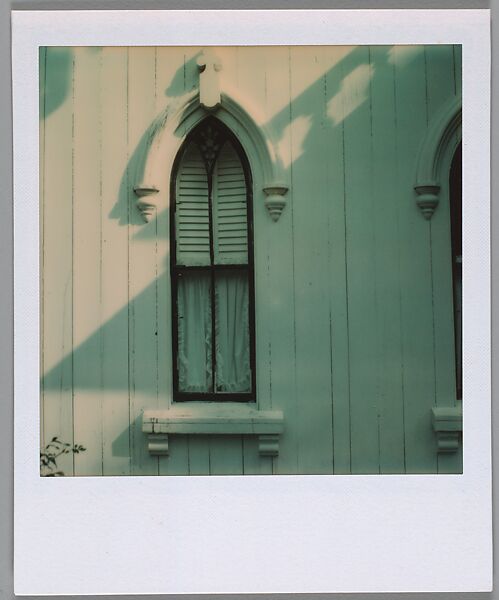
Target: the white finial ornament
(209, 85)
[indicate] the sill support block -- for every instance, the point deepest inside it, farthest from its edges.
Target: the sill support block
(448, 426)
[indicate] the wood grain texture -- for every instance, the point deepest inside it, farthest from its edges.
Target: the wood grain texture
(114, 264)
(390, 401)
(87, 206)
(353, 288)
(276, 357)
(339, 353)
(57, 249)
(360, 241)
(415, 267)
(142, 262)
(309, 139)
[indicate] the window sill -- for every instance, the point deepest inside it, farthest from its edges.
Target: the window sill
(201, 418)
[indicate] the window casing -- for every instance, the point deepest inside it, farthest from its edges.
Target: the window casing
(455, 186)
(212, 275)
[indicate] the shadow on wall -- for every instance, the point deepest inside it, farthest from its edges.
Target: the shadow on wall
(100, 361)
(125, 210)
(56, 85)
(349, 77)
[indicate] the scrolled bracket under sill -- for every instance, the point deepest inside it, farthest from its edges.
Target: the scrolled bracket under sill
(201, 419)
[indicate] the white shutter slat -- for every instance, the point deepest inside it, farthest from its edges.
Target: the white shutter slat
(230, 209)
(192, 224)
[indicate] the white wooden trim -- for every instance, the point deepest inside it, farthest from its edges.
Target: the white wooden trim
(201, 418)
(444, 130)
(172, 126)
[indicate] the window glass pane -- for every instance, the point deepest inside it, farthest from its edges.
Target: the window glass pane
(233, 372)
(194, 332)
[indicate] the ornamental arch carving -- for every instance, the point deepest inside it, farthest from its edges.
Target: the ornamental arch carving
(440, 142)
(172, 126)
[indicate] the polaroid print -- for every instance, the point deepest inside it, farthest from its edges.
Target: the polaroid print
(251, 260)
(251, 264)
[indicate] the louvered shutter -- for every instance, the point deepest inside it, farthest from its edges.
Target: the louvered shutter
(230, 219)
(192, 225)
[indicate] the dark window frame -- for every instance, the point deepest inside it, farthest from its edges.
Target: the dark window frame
(176, 271)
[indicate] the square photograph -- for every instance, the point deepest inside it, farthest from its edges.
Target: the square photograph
(250, 260)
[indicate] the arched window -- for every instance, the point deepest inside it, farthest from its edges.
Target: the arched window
(455, 198)
(212, 268)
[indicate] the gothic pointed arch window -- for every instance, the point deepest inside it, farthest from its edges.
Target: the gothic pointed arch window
(212, 268)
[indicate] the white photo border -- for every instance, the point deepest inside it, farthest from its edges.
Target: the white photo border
(152, 535)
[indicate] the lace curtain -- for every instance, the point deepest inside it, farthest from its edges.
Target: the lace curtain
(195, 335)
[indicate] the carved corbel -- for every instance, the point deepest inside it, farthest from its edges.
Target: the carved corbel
(275, 200)
(448, 426)
(428, 198)
(158, 444)
(148, 206)
(268, 444)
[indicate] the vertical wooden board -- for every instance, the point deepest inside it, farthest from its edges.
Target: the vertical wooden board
(387, 267)
(170, 82)
(226, 455)
(87, 202)
(252, 76)
(199, 455)
(229, 58)
(114, 264)
(42, 60)
(415, 268)
(440, 79)
(57, 250)
(361, 274)
(142, 267)
(176, 72)
(274, 278)
(337, 271)
(177, 461)
(253, 463)
(309, 137)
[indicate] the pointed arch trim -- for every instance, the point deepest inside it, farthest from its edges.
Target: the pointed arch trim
(441, 139)
(172, 126)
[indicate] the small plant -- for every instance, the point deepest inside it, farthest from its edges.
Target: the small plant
(50, 454)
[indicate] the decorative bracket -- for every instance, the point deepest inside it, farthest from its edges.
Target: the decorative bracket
(158, 444)
(448, 426)
(428, 198)
(213, 420)
(146, 208)
(275, 200)
(268, 444)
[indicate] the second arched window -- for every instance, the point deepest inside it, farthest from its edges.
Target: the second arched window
(212, 268)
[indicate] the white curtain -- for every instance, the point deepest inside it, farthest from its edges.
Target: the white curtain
(194, 332)
(233, 372)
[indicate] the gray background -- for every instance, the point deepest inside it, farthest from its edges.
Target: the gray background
(6, 242)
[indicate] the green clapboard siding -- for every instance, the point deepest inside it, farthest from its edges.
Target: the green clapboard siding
(353, 288)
